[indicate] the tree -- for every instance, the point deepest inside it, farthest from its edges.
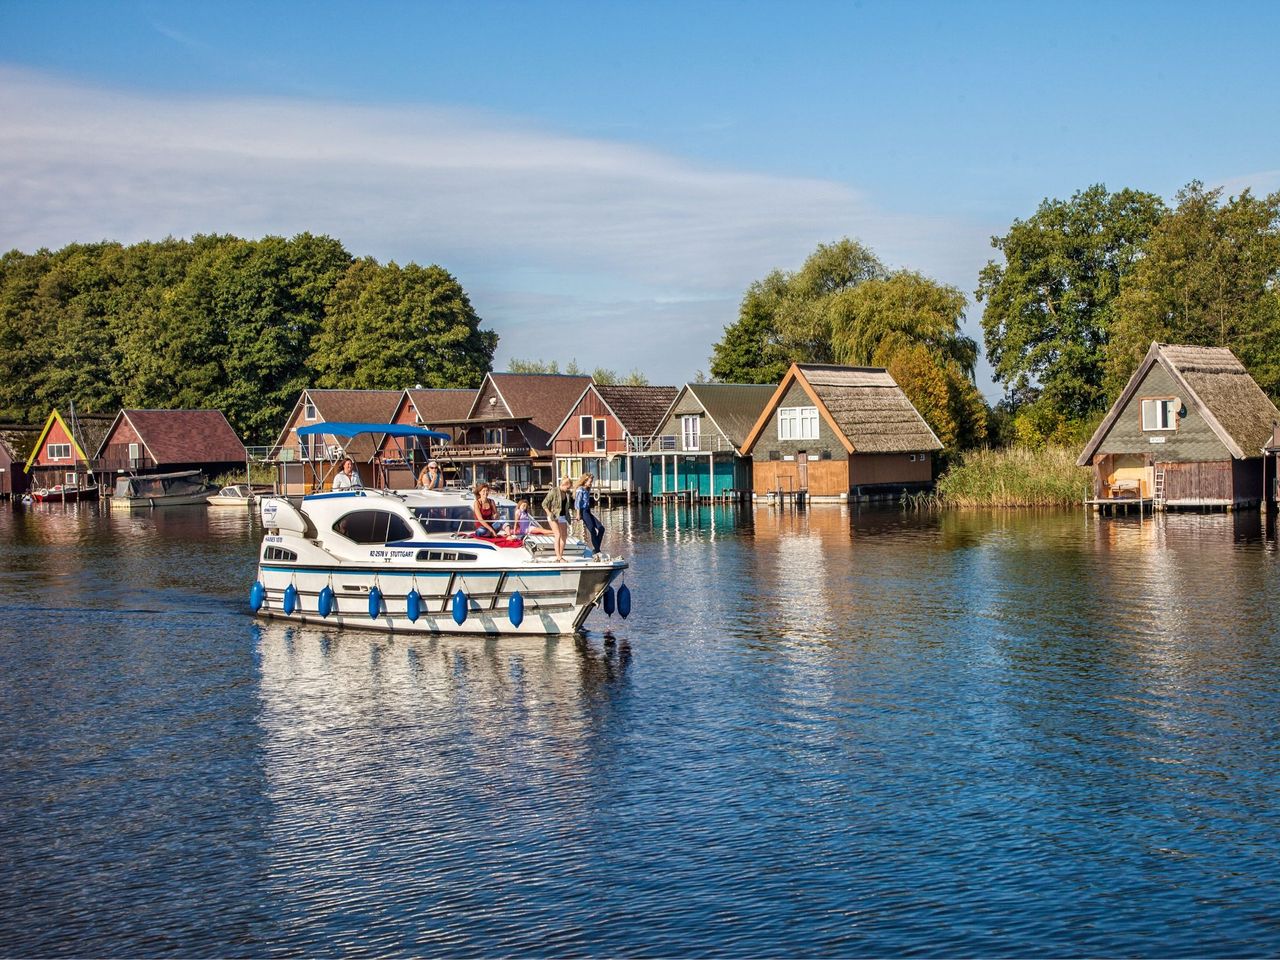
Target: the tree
(1048, 313)
(533, 366)
(1209, 275)
(388, 326)
(749, 351)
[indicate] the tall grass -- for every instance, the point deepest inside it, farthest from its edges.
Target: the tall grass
(1012, 477)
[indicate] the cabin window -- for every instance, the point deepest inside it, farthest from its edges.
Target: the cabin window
(59, 451)
(600, 440)
(1160, 414)
(691, 432)
(444, 556)
(798, 423)
(309, 411)
(373, 526)
(585, 427)
(279, 553)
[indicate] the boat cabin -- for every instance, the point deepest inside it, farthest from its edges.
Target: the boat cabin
(1188, 430)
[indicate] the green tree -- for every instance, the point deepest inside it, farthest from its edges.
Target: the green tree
(1048, 306)
(533, 366)
(1209, 275)
(25, 347)
(389, 326)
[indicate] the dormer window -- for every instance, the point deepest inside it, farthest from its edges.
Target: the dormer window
(309, 411)
(1160, 413)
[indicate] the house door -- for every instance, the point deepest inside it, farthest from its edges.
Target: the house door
(802, 470)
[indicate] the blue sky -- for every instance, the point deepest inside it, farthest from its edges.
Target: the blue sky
(606, 179)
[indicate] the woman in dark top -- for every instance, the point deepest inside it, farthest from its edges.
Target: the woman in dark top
(485, 511)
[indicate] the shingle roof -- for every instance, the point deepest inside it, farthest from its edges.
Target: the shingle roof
(870, 409)
(186, 436)
(1218, 385)
(442, 406)
(734, 407)
(357, 406)
(639, 409)
(544, 398)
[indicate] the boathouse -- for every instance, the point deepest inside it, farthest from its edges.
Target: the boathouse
(308, 463)
(696, 451)
(141, 442)
(505, 438)
(15, 445)
(61, 455)
(1188, 430)
(840, 433)
(403, 458)
(603, 430)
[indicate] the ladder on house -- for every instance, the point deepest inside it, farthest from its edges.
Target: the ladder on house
(1157, 494)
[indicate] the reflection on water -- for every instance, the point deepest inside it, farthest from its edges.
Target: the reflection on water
(825, 731)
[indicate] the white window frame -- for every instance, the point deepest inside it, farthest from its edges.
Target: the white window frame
(691, 432)
(586, 426)
(797, 423)
(58, 451)
(70, 479)
(309, 411)
(1152, 410)
(601, 435)
(135, 451)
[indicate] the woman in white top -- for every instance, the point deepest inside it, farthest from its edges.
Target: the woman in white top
(348, 478)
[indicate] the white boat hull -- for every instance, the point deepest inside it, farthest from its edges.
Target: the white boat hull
(557, 599)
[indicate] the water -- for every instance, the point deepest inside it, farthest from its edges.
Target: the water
(819, 734)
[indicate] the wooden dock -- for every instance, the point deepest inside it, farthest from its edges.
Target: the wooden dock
(1117, 506)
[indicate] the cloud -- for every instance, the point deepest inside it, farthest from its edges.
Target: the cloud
(572, 246)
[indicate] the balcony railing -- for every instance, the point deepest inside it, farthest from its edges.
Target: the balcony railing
(589, 447)
(675, 443)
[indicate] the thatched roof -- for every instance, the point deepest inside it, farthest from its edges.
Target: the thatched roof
(1217, 385)
(870, 409)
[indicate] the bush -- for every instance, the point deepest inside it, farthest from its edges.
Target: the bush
(1014, 477)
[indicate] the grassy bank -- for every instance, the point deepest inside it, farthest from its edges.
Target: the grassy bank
(1012, 477)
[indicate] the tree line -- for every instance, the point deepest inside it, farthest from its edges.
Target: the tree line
(227, 323)
(1082, 289)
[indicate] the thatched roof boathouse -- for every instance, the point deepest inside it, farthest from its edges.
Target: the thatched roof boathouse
(1187, 431)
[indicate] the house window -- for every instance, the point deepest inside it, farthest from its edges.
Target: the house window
(135, 453)
(309, 411)
(690, 431)
(586, 427)
(59, 451)
(600, 441)
(797, 423)
(1160, 414)
(69, 479)
(494, 436)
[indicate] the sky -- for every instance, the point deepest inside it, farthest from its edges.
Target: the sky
(607, 179)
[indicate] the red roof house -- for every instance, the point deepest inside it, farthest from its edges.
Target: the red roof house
(163, 441)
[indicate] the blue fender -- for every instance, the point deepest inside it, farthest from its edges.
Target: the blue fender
(413, 606)
(290, 599)
(515, 609)
(375, 603)
(624, 601)
(257, 594)
(325, 605)
(608, 601)
(459, 608)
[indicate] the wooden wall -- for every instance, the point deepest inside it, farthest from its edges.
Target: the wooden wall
(826, 478)
(1199, 481)
(889, 468)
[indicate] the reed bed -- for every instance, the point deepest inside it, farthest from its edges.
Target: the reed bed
(1010, 477)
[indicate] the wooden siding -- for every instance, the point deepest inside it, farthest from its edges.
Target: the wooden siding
(1198, 482)
(827, 439)
(1193, 440)
(569, 442)
(115, 451)
(868, 469)
(57, 435)
(822, 478)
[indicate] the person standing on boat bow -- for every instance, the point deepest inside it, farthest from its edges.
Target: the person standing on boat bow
(582, 501)
(431, 477)
(556, 506)
(348, 478)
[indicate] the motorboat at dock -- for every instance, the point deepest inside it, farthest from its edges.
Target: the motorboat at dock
(410, 562)
(65, 493)
(161, 490)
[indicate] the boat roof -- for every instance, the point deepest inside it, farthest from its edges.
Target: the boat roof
(352, 429)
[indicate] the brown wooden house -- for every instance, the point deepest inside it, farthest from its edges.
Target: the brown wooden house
(63, 452)
(840, 433)
(1188, 430)
(307, 464)
(505, 438)
(441, 410)
(608, 424)
(140, 442)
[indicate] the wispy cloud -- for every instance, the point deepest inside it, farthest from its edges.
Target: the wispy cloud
(541, 227)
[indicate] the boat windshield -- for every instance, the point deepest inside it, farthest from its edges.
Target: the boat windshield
(459, 519)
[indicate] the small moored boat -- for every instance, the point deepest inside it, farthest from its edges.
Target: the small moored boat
(161, 490)
(236, 495)
(64, 493)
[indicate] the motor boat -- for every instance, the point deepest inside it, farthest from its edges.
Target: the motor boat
(161, 490)
(236, 495)
(411, 562)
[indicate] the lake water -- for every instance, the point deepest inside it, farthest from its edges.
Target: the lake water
(820, 733)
